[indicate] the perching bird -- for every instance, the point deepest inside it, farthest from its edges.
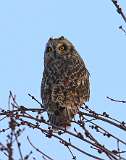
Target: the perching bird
(65, 84)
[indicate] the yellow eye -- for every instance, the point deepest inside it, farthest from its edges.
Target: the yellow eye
(62, 48)
(49, 49)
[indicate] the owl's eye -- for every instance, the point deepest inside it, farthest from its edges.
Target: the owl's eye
(62, 48)
(49, 49)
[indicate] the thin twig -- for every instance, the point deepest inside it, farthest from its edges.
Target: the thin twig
(119, 9)
(18, 146)
(115, 100)
(122, 29)
(35, 100)
(38, 150)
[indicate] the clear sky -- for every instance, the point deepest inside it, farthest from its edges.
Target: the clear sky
(92, 26)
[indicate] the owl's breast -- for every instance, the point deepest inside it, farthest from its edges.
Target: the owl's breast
(58, 69)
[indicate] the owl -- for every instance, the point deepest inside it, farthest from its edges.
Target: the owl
(65, 84)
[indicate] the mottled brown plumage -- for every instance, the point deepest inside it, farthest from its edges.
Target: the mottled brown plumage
(65, 83)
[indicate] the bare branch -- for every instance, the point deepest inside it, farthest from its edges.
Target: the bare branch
(119, 9)
(115, 100)
(38, 150)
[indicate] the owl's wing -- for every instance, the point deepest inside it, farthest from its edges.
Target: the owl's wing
(85, 85)
(67, 99)
(43, 89)
(83, 77)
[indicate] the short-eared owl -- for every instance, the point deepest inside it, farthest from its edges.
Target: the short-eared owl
(65, 83)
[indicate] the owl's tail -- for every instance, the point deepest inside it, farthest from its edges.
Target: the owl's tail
(61, 118)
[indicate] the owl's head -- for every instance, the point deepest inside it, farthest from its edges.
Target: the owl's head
(58, 47)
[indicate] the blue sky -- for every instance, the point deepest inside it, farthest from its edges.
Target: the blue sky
(92, 26)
